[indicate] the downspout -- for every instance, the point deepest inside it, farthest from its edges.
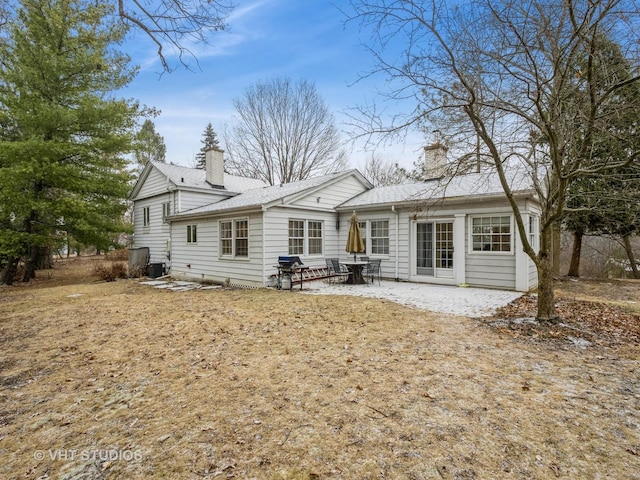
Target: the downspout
(264, 247)
(397, 266)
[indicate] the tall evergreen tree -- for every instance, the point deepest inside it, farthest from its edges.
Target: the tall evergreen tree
(604, 203)
(64, 132)
(209, 140)
(149, 145)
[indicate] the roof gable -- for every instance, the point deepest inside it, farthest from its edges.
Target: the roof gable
(283, 194)
(192, 178)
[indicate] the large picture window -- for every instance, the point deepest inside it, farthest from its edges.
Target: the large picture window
(380, 237)
(305, 237)
(234, 238)
(491, 234)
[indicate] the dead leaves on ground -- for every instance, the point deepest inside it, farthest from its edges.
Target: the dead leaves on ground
(582, 323)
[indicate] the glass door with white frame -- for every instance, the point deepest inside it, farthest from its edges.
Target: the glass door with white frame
(434, 249)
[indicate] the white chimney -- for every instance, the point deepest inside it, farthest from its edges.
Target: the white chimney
(214, 166)
(435, 160)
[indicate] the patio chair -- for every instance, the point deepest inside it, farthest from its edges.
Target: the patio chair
(331, 274)
(372, 269)
(340, 271)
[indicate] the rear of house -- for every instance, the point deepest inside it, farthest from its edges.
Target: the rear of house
(453, 231)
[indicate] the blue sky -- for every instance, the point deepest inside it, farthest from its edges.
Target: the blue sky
(266, 38)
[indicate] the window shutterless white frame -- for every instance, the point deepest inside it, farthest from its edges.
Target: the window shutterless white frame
(534, 234)
(314, 240)
(234, 238)
(296, 237)
(146, 216)
(379, 230)
(363, 233)
(241, 238)
(226, 238)
(166, 211)
(491, 234)
(306, 237)
(192, 233)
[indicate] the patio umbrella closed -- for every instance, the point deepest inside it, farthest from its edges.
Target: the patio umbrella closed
(355, 244)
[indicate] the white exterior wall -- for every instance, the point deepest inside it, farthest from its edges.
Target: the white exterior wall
(268, 237)
(157, 234)
(155, 191)
(187, 200)
(276, 236)
(482, 269)
(202, 260)
(155, 184)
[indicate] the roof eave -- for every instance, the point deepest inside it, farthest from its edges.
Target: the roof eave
(442, 200)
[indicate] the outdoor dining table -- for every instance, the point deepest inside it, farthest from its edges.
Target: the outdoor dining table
(356, 267)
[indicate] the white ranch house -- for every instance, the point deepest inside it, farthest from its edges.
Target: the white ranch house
(207, 225)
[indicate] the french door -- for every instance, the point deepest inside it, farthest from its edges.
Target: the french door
(434, 249)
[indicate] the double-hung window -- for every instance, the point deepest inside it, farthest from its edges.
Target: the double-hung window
(192, 233)
(533, 231)
(146, 217)
(363, 234)
(380, 237)
(166, 211)
(314, 229)
(491, 234)
(234, 238)
(305, 237)
(296, 237)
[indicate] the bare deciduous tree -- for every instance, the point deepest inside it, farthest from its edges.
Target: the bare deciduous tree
(175, 23)
(283, 132)
(382, 173)
(506, 73)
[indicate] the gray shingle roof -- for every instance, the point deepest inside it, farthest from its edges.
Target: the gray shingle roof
(263, 196)
(196, 178)
(474, 184)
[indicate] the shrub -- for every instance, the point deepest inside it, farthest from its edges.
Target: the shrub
(110, 271)
(120, 255)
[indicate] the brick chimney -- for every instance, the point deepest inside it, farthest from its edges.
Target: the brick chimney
(435, 160)
(214, 166)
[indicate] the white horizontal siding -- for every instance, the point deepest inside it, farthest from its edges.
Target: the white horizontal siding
(154, 184)
(276, 236)
(156, 235)
(496, 271)
(332, 195)
(190, 200)
(202, 261)
(533, 274)
(388, 261)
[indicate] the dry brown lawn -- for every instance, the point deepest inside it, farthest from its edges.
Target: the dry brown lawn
(119, 380)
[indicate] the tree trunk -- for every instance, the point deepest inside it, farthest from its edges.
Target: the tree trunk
(574, 267)
(40, 258)
(30, 264)
(555, 249)
(9, 271)
(546, 296)
(627, 246)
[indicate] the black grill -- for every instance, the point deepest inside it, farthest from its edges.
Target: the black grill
(287, 266)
